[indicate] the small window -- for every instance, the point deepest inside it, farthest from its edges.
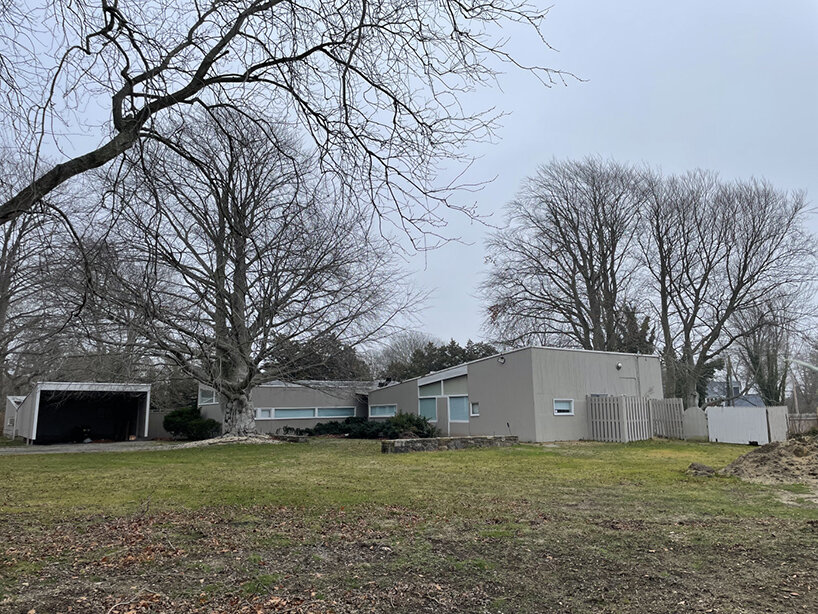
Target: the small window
(458, 409)
(336, 412)
(430, 390)
(207, 396)
(382, 411)
(264, 414)
(474, 409)
(563, 407)
(428, 409)
(295, 412)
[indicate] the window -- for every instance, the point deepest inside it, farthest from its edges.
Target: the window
(207, 396)
(563, 407)
(474, 409)
(335, 412)
(428, 409)
(430, 390)
(295, 412)
(382, 411)
(458, 409)
(264, 414)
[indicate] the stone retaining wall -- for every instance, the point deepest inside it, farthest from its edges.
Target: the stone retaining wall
(398, 446)
(291, 438)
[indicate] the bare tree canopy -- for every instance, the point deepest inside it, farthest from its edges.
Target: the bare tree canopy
(587, 243)
(767, 346)
(562, 271)
(232, 257)
(715, 251)
(373, 84)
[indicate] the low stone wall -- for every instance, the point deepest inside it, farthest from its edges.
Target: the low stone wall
(291, 438)
(435, 444)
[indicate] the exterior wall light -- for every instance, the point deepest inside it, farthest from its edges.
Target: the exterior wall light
(501, 360)
(619, 366)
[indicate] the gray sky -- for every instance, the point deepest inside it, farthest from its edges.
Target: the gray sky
(730, 86)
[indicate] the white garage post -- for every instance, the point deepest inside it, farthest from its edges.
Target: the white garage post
(147, 412)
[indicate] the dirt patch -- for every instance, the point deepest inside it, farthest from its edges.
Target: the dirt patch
(700, 470)
(780, 462)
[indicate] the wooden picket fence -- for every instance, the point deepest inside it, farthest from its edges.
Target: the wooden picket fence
(626, 419)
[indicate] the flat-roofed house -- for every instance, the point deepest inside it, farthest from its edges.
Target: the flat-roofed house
(536, 393)
(301, 404)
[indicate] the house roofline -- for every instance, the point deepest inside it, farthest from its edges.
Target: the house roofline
(91, 387)
(458, 370)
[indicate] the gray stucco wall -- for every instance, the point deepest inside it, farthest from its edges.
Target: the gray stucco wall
(156, 429)
(404, 395)
(516, 391)
(571, 374)
(503, 390)
(294, 396)
(505, 394)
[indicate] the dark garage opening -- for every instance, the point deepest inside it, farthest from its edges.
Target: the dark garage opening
(74, 416)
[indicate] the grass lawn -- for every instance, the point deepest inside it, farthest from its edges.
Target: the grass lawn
(334, 526)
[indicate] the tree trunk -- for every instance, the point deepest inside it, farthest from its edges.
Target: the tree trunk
(691, 395)
(239, 416)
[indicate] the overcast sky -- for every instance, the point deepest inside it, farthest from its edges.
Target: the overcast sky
(730, 86)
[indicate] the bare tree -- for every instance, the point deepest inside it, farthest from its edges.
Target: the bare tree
(399, 349)
(715, 252)
(374, 84)
(32, 250)
(562, 271)
(231, 250)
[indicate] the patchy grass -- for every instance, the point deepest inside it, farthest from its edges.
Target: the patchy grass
(5, 442)
(334, 526)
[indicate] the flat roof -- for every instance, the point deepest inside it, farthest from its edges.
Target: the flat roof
(317, 383)
(462, 369)
(92, 387)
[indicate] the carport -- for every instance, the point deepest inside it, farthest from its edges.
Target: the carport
(65, 412)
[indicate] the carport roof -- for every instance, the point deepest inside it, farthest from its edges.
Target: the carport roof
(93, 387)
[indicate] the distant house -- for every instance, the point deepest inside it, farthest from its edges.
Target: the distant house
(717, 395)
(65, 412)
(536, 393)
(301, 404)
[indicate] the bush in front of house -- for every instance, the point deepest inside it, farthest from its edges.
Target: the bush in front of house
(188, 423)
(402, 426)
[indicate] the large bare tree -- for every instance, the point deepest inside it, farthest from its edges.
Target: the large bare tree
(715, 252)
(232, 251)
(374, 84)
(562, 271)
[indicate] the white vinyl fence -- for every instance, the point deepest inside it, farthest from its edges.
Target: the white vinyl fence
(756, 425)
(626, 419)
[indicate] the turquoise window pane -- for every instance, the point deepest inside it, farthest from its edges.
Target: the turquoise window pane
(295, 413)
(563, 406)
(336, 412)
(428, 408)
(459, 409)
(383, 411)
(430, 390)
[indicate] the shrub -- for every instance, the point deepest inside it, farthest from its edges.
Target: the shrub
(188, 423)
(402, 426)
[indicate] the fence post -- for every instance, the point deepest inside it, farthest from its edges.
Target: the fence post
(623, 422)
(652, 432)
